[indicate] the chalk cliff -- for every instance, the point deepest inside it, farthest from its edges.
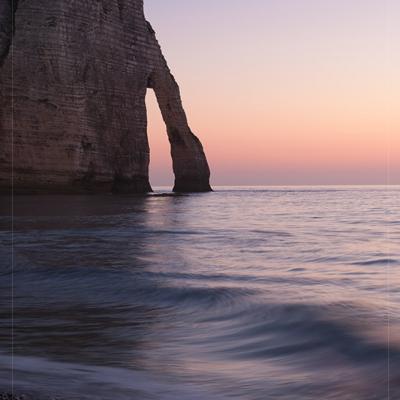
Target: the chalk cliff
(75, 120)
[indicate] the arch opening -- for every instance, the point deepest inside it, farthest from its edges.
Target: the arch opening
(161, 174)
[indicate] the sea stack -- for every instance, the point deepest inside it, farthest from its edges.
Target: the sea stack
(72, 100)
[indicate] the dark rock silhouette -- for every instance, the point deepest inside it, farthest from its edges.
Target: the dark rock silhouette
(73, 94)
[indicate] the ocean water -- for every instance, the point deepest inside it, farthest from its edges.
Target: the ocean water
(243, 293)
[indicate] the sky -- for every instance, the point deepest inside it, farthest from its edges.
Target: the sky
(283, 92)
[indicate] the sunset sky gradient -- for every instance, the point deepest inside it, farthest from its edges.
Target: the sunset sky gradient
(284, 92)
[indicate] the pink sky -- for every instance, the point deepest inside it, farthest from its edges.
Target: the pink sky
(284, 91)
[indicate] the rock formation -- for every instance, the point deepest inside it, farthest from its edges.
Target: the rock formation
(72, 99)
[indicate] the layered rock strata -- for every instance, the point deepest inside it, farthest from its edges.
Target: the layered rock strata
(72, 99)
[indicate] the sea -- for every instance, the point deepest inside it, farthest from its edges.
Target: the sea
(245, 293)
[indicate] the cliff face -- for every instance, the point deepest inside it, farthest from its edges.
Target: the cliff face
(79, 72)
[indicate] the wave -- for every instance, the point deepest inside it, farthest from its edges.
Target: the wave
(272, 233)
(288, 330)
(42, 378)
(194, 297)
(377, 261)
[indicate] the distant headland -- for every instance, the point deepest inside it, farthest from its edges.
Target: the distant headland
(72, 100)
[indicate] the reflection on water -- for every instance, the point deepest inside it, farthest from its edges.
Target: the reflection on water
(256, 293)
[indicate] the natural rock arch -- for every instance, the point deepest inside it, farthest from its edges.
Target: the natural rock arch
(76, 119)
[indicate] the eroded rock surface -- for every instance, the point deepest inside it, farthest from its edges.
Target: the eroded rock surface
(80, 71)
